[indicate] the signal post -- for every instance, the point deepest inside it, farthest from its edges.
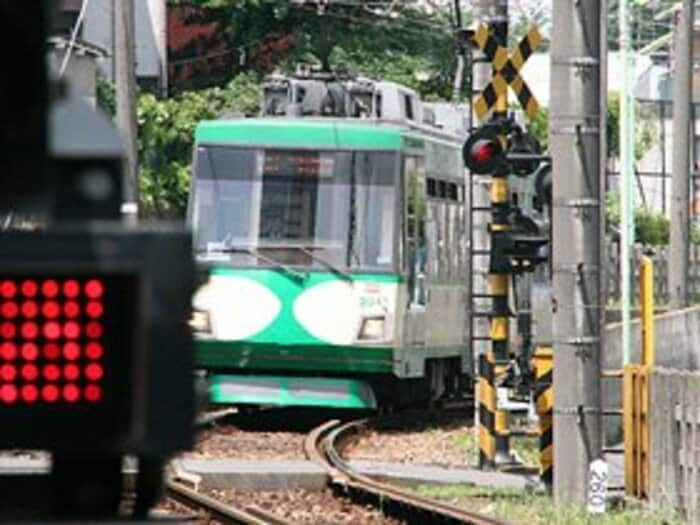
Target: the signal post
(489, 150)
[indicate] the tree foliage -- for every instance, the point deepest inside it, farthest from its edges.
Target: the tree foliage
(166, 135)
(645, 129)
(277, 34)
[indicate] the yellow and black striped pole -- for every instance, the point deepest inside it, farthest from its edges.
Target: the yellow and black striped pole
(498, 276)
(487, 412)
(544, 400)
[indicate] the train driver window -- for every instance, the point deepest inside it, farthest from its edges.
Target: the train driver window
(414, 228)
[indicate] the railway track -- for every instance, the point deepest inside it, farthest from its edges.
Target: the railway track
(325, 443)
(219, 511)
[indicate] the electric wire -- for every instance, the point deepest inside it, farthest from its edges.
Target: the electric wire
(73, 38)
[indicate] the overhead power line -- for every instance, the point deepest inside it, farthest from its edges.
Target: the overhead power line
(73, 37)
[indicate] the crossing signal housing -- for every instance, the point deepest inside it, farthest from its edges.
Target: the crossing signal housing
(483, 151)
(82, 333)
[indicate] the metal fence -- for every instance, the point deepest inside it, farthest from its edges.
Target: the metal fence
(674, 444)
(660, 258)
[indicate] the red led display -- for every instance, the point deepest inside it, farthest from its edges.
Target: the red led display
(50, 288)
(29, 288)
(9, 310)
(30, 309)
(51, 341)
(8, 289)
(50, 309)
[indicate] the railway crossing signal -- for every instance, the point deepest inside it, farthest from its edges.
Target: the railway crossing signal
(483, 152)
(506, 71)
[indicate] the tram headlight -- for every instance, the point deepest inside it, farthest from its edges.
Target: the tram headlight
(200, 322)
(372, 329)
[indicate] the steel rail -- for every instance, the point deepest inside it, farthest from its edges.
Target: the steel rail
(324, 445)
(225, 513)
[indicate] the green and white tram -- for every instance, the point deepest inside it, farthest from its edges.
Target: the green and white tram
(334, 262)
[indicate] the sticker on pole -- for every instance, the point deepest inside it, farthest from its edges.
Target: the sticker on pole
(597, 486)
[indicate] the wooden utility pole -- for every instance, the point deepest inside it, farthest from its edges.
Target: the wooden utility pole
(577, 141)
(682, 100)
(125, 80)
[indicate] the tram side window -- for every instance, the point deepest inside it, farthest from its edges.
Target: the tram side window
(414, 228)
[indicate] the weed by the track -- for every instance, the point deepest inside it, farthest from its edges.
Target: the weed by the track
(522, 507)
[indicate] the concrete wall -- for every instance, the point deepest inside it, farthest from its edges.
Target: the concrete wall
(676, 336)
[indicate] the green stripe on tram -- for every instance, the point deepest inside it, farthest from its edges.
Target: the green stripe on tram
(295, 133)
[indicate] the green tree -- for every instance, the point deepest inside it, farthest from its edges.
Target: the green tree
(265, 35)
(645, 130)
(166, 137)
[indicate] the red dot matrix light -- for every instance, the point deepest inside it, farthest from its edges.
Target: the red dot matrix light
(51, 346)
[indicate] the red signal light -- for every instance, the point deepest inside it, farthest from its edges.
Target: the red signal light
(8, 393)
(8, 330)
(52, 351)
(8, 373)
(8, 351)
(8, 289)
(29, 288)
(71, 330)
(71, 289)
(93, 330)
(29, 351)
(51, 309)
(50, 288)
(71, 393)
(30, 309)
(94, 289)
(9, 310)
(94, 372)
(30, 393)
(93, 393)
(29, 330)
(93, 350)
(51, 372)
(94, 309)
(52, 330)
(29, 373)
(71, 351)
(54, 326)
(50, 393)
(484, 150)
(71, 309)
(71, 372)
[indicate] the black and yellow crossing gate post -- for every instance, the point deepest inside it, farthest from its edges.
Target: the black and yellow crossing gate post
(485, 152)
(544, 399)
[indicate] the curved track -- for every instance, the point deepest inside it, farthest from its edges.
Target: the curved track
(325, 443)
(215, 509)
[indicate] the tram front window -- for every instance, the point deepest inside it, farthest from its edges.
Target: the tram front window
(298, 207)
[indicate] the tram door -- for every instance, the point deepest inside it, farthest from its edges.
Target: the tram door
(415, 253)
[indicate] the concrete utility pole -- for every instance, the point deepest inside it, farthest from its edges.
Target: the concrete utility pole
(626, 172)
(577, 141)
(125, 79)
(682, 101)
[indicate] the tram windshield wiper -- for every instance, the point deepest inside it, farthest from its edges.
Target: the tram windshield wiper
(227, 248)
(341, 273)
(308, 250)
